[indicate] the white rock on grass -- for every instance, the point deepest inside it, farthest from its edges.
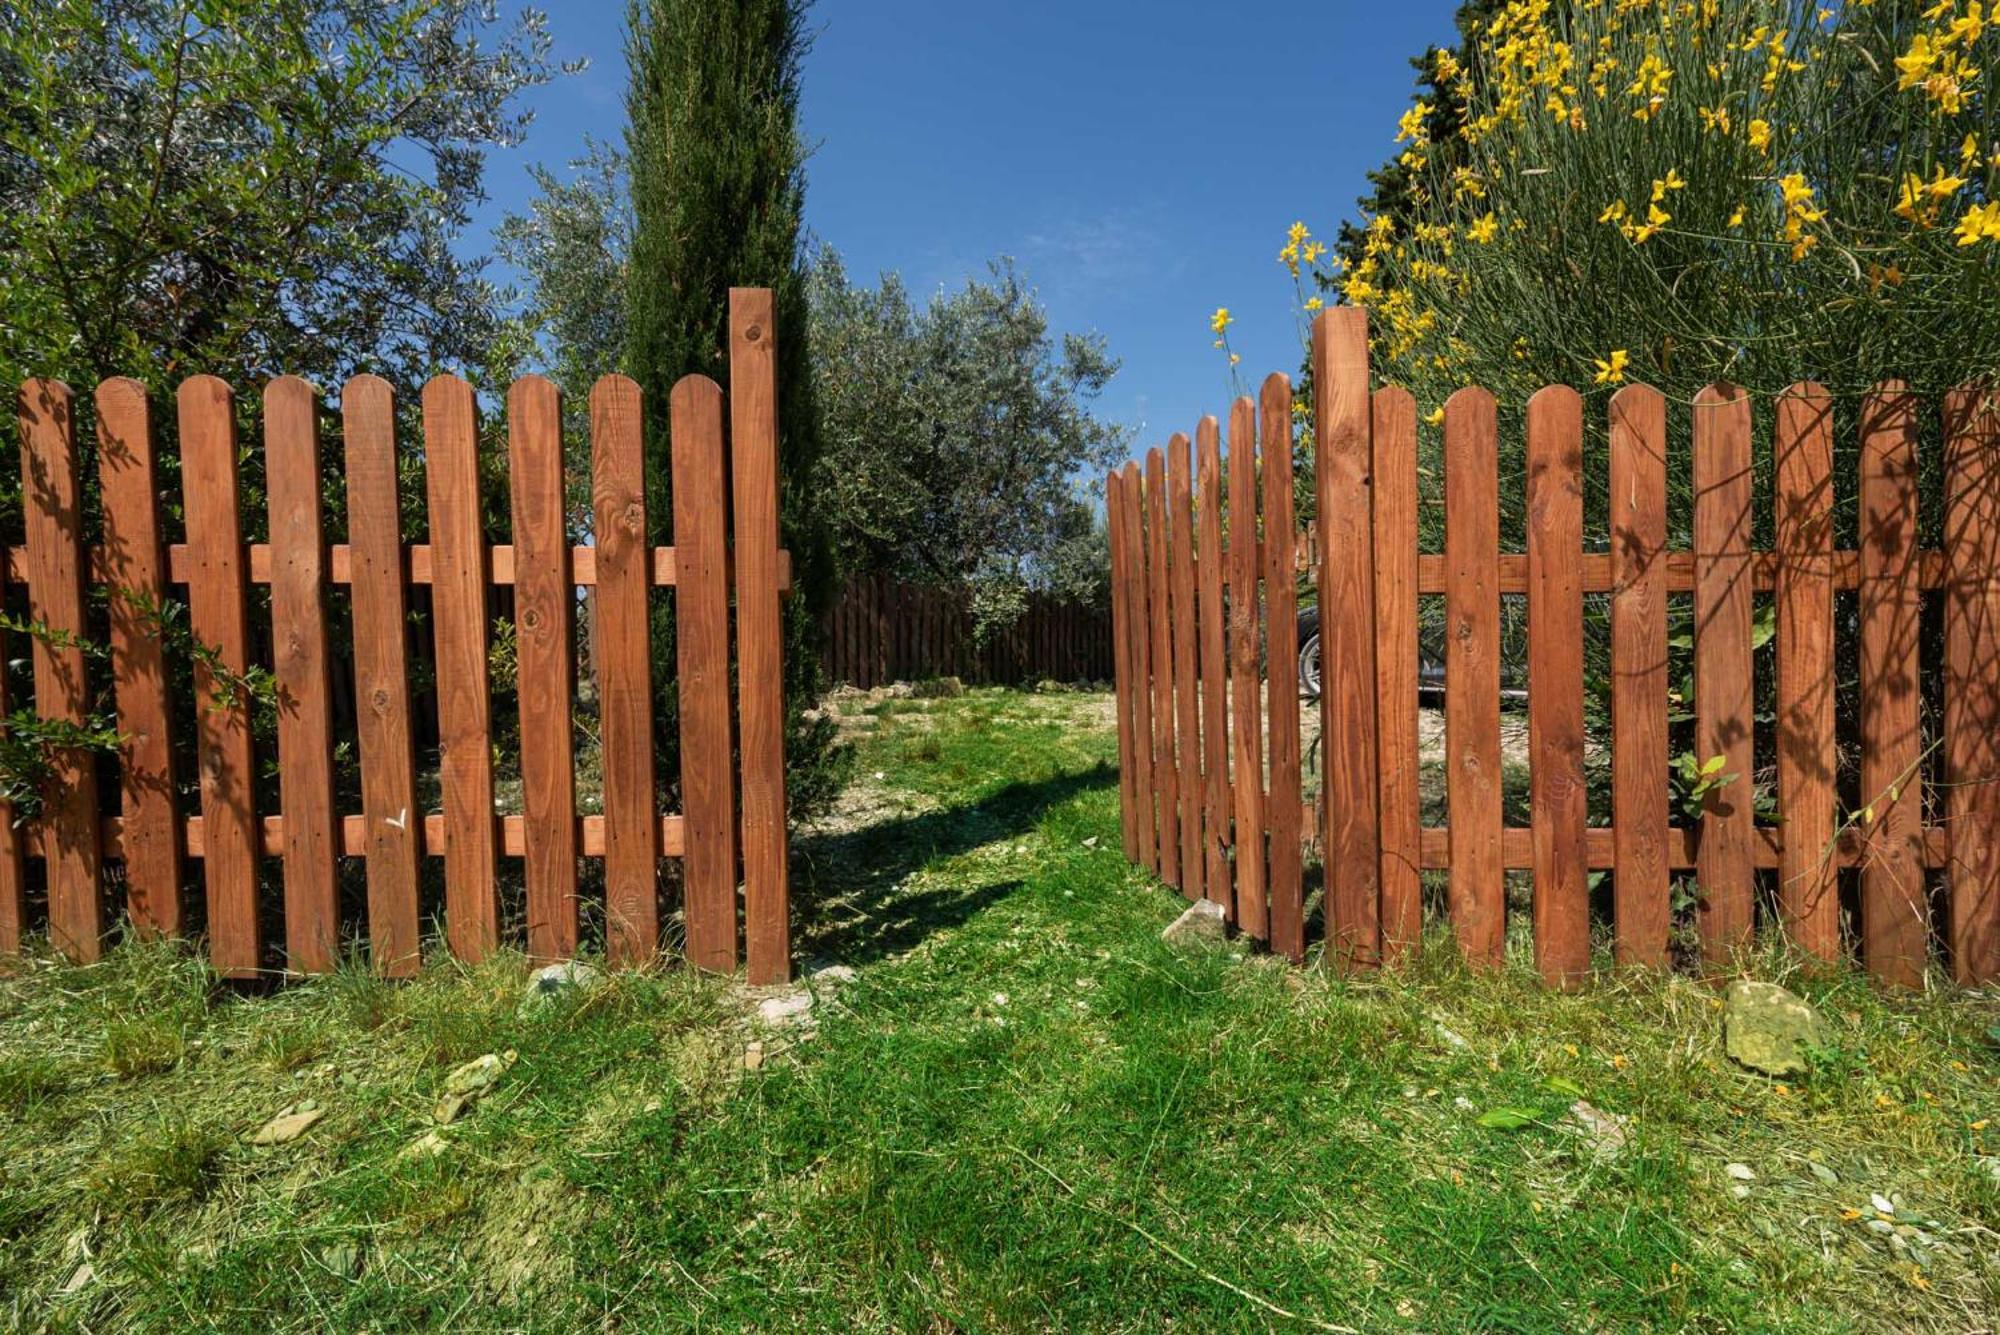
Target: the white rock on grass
(289, 1124)
(1605, 1131)
(1201, 924)
(546, 984)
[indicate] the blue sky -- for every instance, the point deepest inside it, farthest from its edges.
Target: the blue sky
(1140, 159)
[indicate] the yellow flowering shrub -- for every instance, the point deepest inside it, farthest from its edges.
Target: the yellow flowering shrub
(1717, 189)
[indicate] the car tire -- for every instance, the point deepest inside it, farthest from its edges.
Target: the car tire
(1309, 656)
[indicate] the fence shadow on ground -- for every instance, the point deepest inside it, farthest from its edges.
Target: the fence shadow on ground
(850, 883)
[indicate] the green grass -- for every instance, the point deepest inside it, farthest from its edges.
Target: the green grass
(1024, 1112)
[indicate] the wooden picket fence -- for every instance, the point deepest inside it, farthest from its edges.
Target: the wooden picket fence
(726, 746)
(1209, 812)
(880, 630)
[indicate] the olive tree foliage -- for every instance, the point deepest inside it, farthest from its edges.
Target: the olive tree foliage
(248, 187)
(955, 433)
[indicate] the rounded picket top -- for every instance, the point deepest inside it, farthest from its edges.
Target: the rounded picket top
(1392, 398)
(119, 391)
(1717, 394)
(366, 390)
(614, 385)
(1470, 400)
(1548, 396)
(446, 391)
(1636, 396)
(531, 390)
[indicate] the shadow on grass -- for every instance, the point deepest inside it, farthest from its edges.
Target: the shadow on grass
(850, 884)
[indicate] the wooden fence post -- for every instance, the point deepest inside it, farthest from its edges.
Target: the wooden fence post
(1128, 812)
(459, 609)
(1350, 780)
(1472, 676)
(1166, 765)
(753, 399)
(701, 617)
(545, 648)
(1138, 654)
(1284, 810)
(1972, 688)
(391, 823)
(1641, 905)
(52, 502)
(1559, 799)
(1723, 675)
(1895, 918)
(1214, 671)
(218, 617)
(1808, 877)
(150, 838)
(1247, 751)
(1187, 685)
(1395, 561)
(305, 707)
(625, 710)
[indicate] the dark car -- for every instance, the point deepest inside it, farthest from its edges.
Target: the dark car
(1430, 671)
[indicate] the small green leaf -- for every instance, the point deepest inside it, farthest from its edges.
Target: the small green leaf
(1508, 1119)
(1713, 765)
(1564, 1086)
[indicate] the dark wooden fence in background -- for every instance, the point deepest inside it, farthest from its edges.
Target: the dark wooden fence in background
(1920, 824)
(732, 779)
(880, 631)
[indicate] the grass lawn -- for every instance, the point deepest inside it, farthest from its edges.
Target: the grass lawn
(1021, 1111)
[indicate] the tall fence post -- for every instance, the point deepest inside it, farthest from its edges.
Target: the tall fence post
(753, 398)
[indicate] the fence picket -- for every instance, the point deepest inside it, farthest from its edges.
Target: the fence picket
(625, 708)
(1559, 799)
(381, 675)
(1121, 619)
(701, 617)
(1350, 779)
(218, 617)
(1187, 685)
(1724, 680)
(1808, 882)
(753, 384)
(149, 835)
(1396, 667)
(305, 706)
(1894, 912)
(1252, 913)
(13, 849)
(1214, 670)
(52, 497)
(1139, 654)
(1972, 687)
(1283, 809)
(1478, 892)
(545, 658)
(1638, 497)
(1166, 770)
(459, 610)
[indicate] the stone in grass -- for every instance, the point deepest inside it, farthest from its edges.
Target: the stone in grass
(938, 688)
(288, 1125)
(1769, 1029)
(468, 1082)
(572, 977)
(1201, 924)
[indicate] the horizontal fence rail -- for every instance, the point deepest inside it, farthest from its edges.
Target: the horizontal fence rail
(880, 630)
(725, 554)
(1212, 793)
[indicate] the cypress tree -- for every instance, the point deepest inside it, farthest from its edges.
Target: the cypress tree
(718, 185)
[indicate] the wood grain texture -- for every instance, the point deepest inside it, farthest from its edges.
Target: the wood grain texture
(1724, 678)
(52, 504)
(218, 618)
(1351, 785)
(13, 841)
(1972, 685)
(1283, 812)
(545, 649)
(460, 613)
(389, 811)
(753, 404)
(136, 569)
(1808, 764)
(1558, 798)
(304, 686)
(1246, 738)
(1641, 903)
(1187, 681)
(701, 618)
(1166, 763)
(1478, 892)
(1895, 920)
(1213, 657)
(632, 845)
(1395, 560)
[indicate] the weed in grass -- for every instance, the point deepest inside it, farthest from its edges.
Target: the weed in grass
(169, 1161)
(142, 1047)
(27, 1080)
